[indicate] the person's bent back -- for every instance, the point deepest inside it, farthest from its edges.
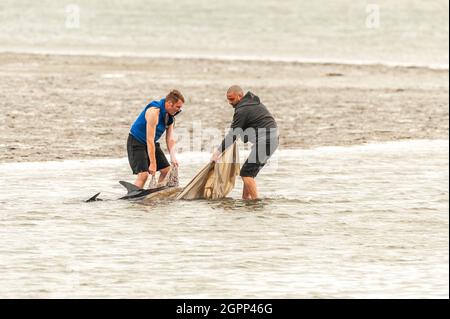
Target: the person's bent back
(252, 122)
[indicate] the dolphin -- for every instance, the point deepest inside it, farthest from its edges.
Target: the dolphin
(133, 192)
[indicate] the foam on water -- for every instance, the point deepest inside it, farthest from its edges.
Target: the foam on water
(222, 57)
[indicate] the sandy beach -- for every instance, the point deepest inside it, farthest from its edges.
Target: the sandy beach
(57, 107)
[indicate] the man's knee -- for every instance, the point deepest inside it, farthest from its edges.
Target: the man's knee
(142, 176)
(165, 170)
(247, 179)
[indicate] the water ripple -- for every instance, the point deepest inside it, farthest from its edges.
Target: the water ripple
(326, 226)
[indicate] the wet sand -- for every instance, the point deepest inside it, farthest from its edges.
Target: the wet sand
(57, 107)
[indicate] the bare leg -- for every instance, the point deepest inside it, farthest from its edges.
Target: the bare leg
(245, 193)
(141, 179)
(163, 173)
(250, 191)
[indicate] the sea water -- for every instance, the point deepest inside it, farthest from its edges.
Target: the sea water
(401, 32)
(332, 222)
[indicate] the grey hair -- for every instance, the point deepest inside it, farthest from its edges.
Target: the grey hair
(236, 89)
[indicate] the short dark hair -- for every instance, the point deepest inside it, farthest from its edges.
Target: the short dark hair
(174, 96)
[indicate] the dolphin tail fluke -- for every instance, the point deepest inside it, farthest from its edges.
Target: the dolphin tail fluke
(93, 198)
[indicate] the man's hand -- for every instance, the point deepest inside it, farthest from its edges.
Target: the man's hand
(152, 168)
(174, 160)
(215, 157)
(171, 145)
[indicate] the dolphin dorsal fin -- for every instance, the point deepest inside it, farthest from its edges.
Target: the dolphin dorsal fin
(130, 187)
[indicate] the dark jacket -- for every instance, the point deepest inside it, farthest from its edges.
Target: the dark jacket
(251, 121)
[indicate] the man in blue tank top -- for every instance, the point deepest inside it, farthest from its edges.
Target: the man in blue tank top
(144, 151)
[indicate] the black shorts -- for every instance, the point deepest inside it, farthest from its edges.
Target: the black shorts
(139, 159)
(259, 155)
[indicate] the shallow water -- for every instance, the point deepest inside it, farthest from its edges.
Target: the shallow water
(350, 222)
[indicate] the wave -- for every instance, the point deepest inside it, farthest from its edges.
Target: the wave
(187, 56)
(200, 158)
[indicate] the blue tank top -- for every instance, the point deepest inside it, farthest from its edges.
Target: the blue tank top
(139, 127)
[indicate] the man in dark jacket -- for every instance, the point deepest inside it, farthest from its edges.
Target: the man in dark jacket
(253, 123)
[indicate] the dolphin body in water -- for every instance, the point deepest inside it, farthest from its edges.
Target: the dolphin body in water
(136, 193)
(162, 192)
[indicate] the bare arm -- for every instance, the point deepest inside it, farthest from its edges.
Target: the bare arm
(170, 141)
(151, 116)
